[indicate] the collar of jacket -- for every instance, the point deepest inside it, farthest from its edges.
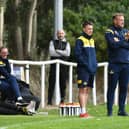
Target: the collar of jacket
(86, 35)
(63, 40)
(3, 59)
(117, 28)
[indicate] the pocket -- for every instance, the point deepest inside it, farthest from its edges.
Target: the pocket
(113, 68)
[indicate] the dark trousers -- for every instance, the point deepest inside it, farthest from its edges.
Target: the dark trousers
(9, 109)
(117, 73)
(62, 82)
(10, 86)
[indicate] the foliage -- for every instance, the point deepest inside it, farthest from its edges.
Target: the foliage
(2, 3)
(45, 28)
(100, 13)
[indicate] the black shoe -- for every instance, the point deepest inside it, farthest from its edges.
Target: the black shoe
(62, 101)
(109, 114)
(49, 103)
(123, 114)
(21, 103)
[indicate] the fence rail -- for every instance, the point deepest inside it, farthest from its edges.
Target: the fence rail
(71, 65)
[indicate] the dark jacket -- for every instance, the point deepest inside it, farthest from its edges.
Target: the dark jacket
(5, 68)
(118, 47)
(85, 53)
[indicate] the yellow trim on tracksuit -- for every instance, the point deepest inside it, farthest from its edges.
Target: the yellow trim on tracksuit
(109, 30)
(87, 42)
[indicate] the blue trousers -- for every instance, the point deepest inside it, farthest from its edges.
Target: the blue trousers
(10, 86)
(117, 73)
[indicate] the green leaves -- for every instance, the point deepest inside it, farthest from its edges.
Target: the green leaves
(99, 12)
(2, 3)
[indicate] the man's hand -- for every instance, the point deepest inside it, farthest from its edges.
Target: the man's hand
(127, 36)
(116, 39)
(58, 51)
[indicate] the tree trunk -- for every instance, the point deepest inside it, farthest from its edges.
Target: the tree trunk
(1, 25)
(34, 31)
(18, 32)
(18, 39)
(34, 36)
(29, 29)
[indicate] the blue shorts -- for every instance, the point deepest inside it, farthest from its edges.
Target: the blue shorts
(84, 78)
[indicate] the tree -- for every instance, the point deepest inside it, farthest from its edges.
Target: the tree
(2, 8)
(21, 27)
(29, 33)
(29, 29)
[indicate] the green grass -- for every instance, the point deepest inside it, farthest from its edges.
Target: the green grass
(54, 121)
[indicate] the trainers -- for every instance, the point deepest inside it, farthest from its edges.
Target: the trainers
(31, 107)
(109, 114)
(123, 114)
(85, 115)
(21, 103)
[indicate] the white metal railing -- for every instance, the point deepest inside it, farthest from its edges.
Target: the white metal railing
(57, 90)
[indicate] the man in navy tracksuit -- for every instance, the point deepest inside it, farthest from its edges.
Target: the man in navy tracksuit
(8, 83)
(86, 59)
(118, 50)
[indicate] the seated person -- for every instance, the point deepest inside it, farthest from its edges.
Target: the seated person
(26, 94)
(8, 81)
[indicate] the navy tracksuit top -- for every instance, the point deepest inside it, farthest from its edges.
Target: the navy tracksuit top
(85, 53)
(5, 68)
(118, 47)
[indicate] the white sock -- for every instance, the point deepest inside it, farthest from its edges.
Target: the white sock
(83, 110)
(19, 98)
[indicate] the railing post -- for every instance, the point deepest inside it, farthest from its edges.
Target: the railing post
(43, 86)
(57, 86)
(70, 83)
(105, 81)
(116, 96)
(27, 73)
(94, 92)
(11, 65)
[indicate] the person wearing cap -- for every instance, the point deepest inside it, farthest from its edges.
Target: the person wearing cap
(117, 38)
(59, 49)
(86, 65)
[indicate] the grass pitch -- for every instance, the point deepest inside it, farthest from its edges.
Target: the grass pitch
(54, 121)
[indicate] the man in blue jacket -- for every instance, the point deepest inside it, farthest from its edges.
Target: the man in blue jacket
(8, 83)
(86, 65)
(118, 50)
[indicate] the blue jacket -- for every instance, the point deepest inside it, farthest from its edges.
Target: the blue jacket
(5, 69)
(118, 47)
(85, 53)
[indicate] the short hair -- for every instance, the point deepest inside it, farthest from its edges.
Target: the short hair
(61, 30)
(2, 47)
(85, 23)
(117, 14)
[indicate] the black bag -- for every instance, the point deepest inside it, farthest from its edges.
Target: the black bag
(27, 94)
